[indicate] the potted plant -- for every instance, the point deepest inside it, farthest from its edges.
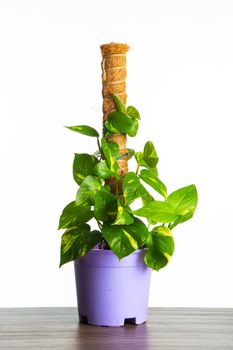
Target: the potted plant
(113, 261)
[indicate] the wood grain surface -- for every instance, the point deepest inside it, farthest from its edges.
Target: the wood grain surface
(166, 328)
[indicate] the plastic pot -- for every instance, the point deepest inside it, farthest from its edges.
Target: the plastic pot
(112, 292)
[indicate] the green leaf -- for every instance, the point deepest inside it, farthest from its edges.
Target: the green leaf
(132, 131)
(110, 150)
(150, 155)
(133, 112)
(160, 248)
(106, 188)
(133, 189)
(74, 215)
(151, 179)
(124, 217)
(139, 156)
(86, 192)
(159, 211)
(183, 200)
(121, 123)
(84, 129)
(77, 242)
(105, 206)
(184, 203)
(102, 170)
(119, 104)
(180, 220)
(130, 152)
(83, 166)
(124, 239)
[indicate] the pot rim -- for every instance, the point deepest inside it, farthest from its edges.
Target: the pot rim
(109, 251)
(107, 258)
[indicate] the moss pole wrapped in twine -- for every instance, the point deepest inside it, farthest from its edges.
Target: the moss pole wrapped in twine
(113, 82)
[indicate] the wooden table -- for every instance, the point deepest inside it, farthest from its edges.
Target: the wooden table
(167, 328)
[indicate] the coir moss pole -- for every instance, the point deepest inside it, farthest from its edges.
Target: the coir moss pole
(113, 81)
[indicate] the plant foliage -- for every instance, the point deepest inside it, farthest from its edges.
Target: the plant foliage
(123, 229)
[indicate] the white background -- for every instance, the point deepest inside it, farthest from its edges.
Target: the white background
(180, 77)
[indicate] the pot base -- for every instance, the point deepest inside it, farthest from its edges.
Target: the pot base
(120, 322)
(112, 292)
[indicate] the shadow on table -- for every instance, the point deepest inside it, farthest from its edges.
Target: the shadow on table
(129, 337)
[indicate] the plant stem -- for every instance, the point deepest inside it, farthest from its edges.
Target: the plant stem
(137, 170)
(117, 188)
(99, 224)
(98, 143)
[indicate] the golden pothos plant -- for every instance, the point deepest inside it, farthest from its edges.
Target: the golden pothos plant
(120, 228)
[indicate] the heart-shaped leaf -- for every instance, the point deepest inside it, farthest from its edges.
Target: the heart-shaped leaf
(184, 202)
(86, 192)
(110, 150)
(105, 206)
(151, 179)
(159, 211)
(83, 166)
(84, 129)
(124, 239)
(74, 215)
(121, 123)
(132, 112)
(124, 217)
(77, 242)
(150, 155)
(102, 170)
(139, 156)
(133, 189)
(119, 104)
(160, 248)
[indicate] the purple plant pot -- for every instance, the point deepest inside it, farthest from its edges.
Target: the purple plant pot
(112, 292)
